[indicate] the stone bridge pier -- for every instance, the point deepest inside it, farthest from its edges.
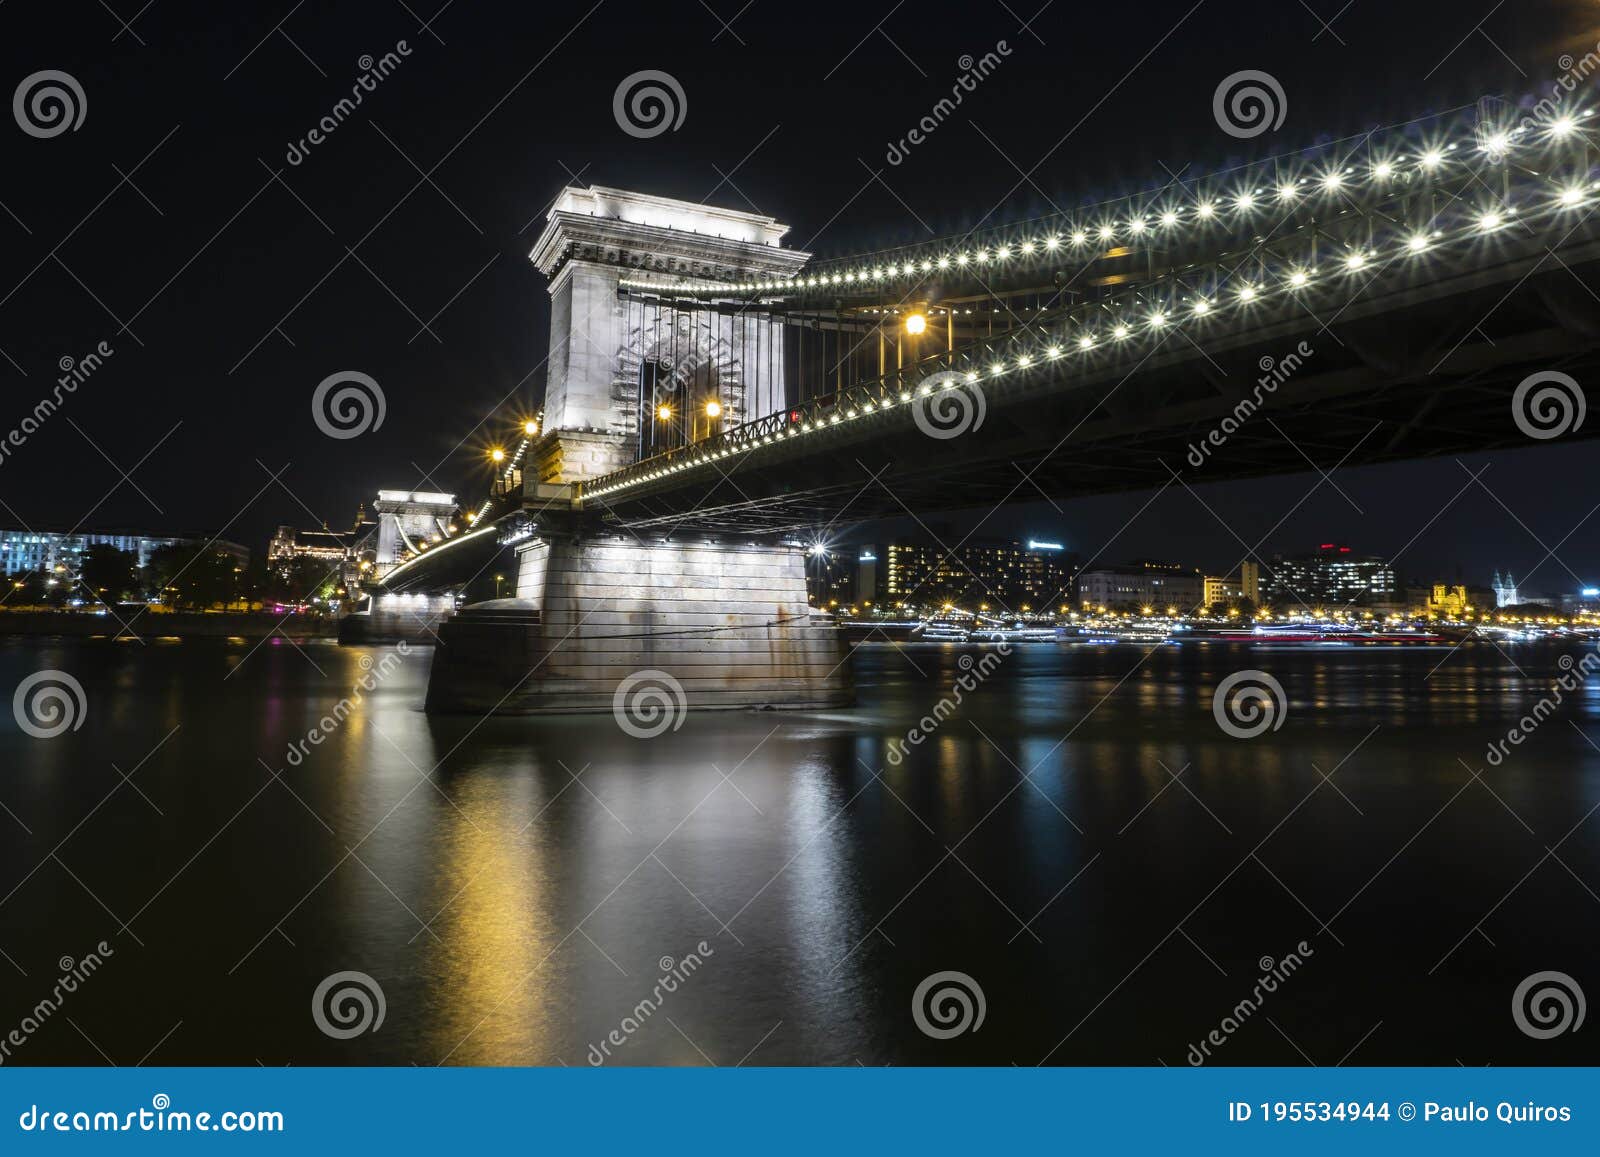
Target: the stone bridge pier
(601, 614)
(721, 624)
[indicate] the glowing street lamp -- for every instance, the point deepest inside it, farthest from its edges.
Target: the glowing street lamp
(497, 455)
(530, 427)
(663, 412)
(713, 409)
(916, 324)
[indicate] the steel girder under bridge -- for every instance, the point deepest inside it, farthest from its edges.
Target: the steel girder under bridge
(1416, 368)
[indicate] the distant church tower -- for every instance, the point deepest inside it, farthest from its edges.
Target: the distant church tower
(1505, 590)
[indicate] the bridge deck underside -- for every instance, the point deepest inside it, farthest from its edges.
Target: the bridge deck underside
(1407, 376)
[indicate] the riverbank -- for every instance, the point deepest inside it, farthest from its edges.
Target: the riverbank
(238, 625)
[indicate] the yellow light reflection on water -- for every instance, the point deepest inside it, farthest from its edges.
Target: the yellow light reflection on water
(498, 963)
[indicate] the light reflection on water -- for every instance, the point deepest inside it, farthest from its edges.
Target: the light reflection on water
(513, 884)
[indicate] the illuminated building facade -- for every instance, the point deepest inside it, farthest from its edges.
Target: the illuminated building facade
(1242, 587)
(338, 550)
(1333, 574)
(1450, 601)
(1161, 586)
(1032, 576)
(44, 551)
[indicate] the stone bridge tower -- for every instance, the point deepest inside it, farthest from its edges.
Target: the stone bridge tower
(602, 340)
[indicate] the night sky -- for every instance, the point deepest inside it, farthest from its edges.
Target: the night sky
(230, 282)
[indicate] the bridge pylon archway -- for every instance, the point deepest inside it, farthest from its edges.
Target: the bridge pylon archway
(609, 346)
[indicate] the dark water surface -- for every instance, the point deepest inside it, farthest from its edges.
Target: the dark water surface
(513, 885)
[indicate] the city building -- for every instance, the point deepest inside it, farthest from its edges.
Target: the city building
(324, 545)
(53, 552)
(1452, 602)
(1160, 586)
(407, 523)
(1032, 576)
(831, 575)
(1222, 590)
(1505, 590)
(341, 550)
(1243, 587)
(1333, 574)
(1585, 601)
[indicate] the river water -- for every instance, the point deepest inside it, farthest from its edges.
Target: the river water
(1112, 870)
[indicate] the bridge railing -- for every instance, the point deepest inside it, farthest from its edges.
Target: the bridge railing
(1423, 237)
(843, 330)
(1447, 153)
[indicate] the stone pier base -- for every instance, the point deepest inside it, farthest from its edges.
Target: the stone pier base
(394, 618)
(601, 621)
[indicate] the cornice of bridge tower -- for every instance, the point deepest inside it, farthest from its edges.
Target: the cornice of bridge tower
(640, 231)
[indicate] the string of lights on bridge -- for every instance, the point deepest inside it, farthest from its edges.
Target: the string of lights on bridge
(1386, 174)
(506, 466)
(1476, 224)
